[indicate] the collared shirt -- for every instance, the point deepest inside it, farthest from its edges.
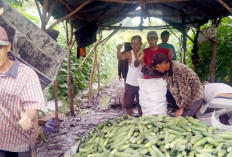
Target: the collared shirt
(20, 90)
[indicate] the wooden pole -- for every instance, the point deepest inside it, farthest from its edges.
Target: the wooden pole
(45, 8)
(70, 14)
(212, 66)
(213, 60)
(56, 103)
(50, 11)
(225, 6)
(92, 74)
(70, 93)
(98, 65)
(37, 5)
(184, 40)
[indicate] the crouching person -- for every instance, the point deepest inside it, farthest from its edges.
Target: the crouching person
(131, 85)
(182, 82)
(218, 101)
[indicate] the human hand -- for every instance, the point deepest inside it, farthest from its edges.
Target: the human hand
(179, 112)
(25, 122)
(119, 46)
(136, 63)
(1, 11)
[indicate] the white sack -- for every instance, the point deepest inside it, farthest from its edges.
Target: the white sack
(152, 96)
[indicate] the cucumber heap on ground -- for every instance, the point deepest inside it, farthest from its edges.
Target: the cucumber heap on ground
(155, 136)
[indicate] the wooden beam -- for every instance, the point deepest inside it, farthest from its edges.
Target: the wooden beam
(134, 28)
(69, 9)
(225, 6)
(138, 2)
(70, 14)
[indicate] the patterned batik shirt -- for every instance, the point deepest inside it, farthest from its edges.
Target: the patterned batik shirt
(20, 90)
(184, 84)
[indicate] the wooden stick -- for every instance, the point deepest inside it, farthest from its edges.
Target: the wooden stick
(70, 14)
(37, 5)
(69, 9)
(56, 103)
(50, 11)
(98, 65)
(225, 6)
(92, 74)
(45, 8)
(70, 93)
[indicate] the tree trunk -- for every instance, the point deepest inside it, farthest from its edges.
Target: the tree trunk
(70, 95)
(212, 66)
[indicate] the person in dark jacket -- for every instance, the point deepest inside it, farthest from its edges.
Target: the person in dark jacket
(123, 64)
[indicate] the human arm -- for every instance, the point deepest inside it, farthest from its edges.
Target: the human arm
(174, 53)
(27, 118)
(139, 61)
(31, 99)
(170, 53)
(121, 56)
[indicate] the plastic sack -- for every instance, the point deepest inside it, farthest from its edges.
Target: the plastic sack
(50, 126)
(215, 122)
(152, 96)
(219, 106)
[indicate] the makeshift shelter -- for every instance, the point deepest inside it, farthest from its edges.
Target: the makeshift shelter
(179, 14)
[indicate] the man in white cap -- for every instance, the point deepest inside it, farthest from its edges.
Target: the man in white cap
(21, 97)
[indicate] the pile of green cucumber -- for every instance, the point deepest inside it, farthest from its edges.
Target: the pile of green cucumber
(155, 136)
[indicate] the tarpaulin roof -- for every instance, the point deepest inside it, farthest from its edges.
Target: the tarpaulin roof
(109, 12)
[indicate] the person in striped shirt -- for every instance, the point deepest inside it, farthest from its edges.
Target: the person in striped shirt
(21, 97)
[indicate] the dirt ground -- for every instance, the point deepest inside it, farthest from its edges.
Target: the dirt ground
(61, 140)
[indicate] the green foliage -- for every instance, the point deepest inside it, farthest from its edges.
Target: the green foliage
(224, 54)
(15, 3)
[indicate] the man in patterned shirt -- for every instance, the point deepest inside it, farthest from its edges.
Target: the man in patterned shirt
(182, 81)
(20, 98)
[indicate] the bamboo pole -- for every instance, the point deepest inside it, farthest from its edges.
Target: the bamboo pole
(70, 93)
(225, 6)
(92, 73)
(70, 14)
